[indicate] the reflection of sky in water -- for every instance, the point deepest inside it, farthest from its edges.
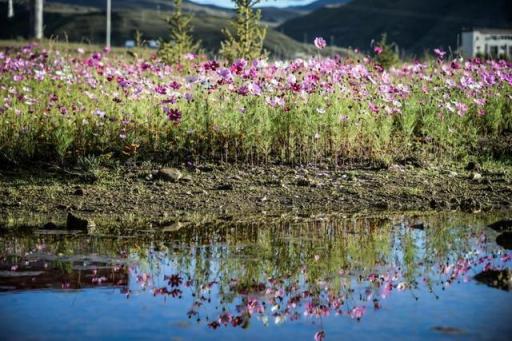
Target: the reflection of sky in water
(475, 310)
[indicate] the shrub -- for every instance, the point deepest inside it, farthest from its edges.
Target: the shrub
(385, 53)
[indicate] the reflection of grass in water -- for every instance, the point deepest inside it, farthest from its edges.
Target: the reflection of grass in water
(323, 251)
(409, 257)
(252, 254)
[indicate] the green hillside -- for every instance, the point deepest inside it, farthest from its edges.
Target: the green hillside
(77, 23)
(271, 15)
(415, 25)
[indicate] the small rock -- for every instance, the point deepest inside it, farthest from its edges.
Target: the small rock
(437, 204)
(505, 240)
(473, 166)
(500, 279)
(501, 225)
(50, 226)
(186, 178)
(79, 191)
(174, 227)
(303, 182)
(395, 168)
(224, 187)
(74, 222)
(383, 205)
(419, 226)
(448, 330)
(169, 174)
(205, 169)
(470, 205)
(454, 203)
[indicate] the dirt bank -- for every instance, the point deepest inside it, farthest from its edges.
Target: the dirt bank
(142, 196)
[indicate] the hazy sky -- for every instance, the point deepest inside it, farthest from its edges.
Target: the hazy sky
(276, 3)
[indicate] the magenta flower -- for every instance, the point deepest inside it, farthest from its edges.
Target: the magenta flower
(174, 280)
(439, 53)
(173, 114)
(159, 89)
(320, 43)
(378, 50)
(254, 306)
(99, 113)
(225, 318)
(319, 335)
(243, 90)
(175, 85)
(357, 312)
(461, 108)
(238, 66)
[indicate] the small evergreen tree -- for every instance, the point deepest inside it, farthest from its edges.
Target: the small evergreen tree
(181, 41)
(246, 40)
(386, 54)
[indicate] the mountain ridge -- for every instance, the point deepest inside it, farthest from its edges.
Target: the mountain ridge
(414, 25)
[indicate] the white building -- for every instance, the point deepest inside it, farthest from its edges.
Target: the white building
(495, 43)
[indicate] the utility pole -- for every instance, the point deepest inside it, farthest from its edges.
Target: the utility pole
(10, 12)
(109, 13)
(38, 22)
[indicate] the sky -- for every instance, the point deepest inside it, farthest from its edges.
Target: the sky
(276, 3)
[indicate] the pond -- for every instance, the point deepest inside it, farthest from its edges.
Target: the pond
(387, 278)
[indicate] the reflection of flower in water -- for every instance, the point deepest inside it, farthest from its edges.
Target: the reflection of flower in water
(174, 280)
(227, 290)
(282, 298)
(357, 312)
(320, 335)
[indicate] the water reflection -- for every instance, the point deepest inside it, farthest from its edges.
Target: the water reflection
(255, 276)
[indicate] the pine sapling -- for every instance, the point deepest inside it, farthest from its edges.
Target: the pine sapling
(246, 36)
(181, 41)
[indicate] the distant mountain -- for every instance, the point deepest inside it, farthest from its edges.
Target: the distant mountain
(271, 15)
(84, 21)
(321, 3)
(153, 5)
(415, 25)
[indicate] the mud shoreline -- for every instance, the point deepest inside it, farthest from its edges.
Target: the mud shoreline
(156, 197)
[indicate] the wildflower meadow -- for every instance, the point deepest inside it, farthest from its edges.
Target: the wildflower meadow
(61, 105)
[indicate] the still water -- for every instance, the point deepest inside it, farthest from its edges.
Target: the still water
(365, 278)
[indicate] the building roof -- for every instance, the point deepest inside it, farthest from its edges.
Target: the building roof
(491, 30)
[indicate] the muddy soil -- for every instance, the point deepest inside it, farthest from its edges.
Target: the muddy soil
(156, 198)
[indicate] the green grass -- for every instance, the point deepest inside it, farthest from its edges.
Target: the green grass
(332, 123)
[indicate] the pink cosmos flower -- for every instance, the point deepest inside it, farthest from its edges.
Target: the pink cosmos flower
(159, 89)
(320, 43)
(173, 114)
(439, 53)
(378, 50)
(357, 312)
(99, 113)
(319, 335)
(225, 318)
(461, 108)
(254, 306)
